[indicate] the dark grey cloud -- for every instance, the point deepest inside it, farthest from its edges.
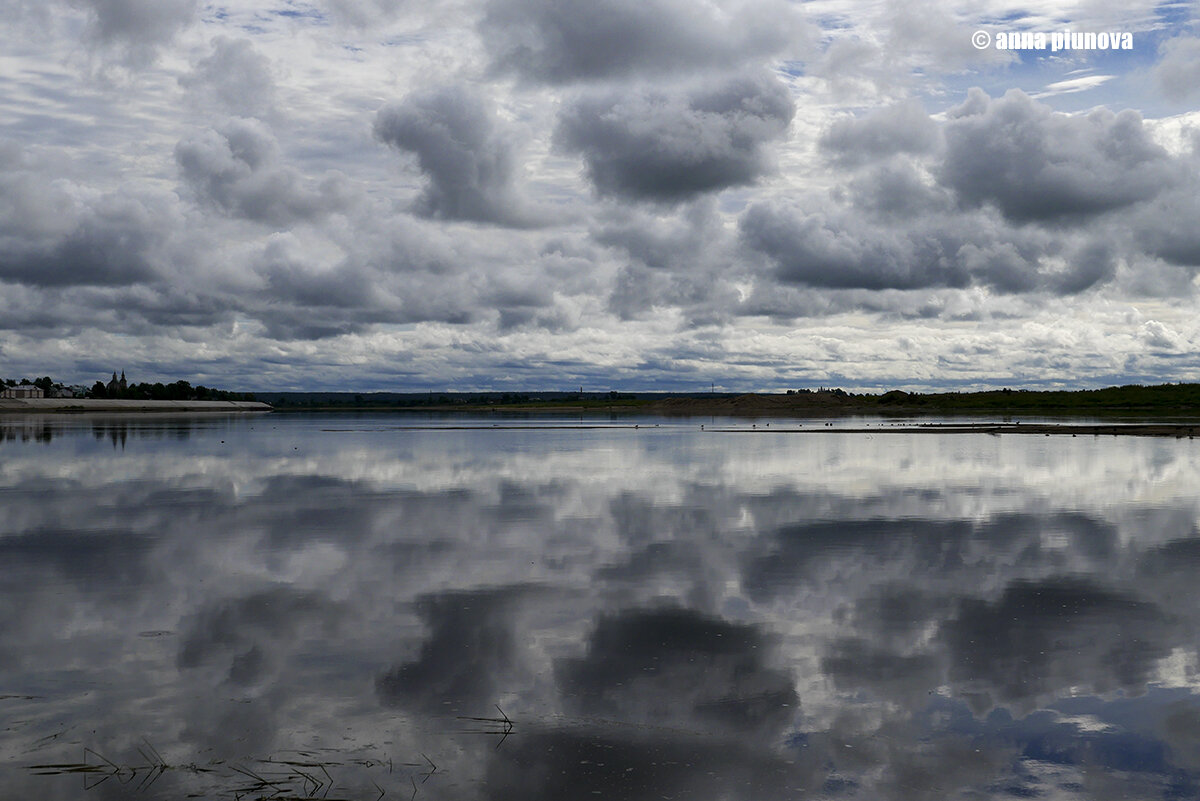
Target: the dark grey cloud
(463, 664)
(623, 762)
(803, 550)
(898, 191)
(365, 13)
(857, 662)
(1037, 165)
(680, 668)
(463, 149)
(407, 273)
(244, 637)
(235, 76)
(1042, 636)
(900, 128)
(681, 258)
(839, 250)
(838, 247)
(238, 171)
(116, 242)
(1006, 193)
(93, 562)
(658, 145)
(561, 41)
(341, 286)
(136, 27)
(689, 690)
(1162, 228)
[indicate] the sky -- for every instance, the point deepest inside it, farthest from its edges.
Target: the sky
(615, 194)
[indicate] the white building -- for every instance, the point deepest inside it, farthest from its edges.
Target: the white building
(22, 391)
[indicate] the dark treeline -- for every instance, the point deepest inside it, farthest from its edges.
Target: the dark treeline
(177, 390)
(1133, 398)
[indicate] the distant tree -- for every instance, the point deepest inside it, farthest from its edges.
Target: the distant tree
(45, 384)
(98, 390)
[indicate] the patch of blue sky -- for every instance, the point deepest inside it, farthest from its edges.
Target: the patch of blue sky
(833, 22)
(1016, 20)
(1061, 79)
(1015, 15)
(1128, 737)
(792, 69)
(407, 40)
(298, 11)
(1173, 14)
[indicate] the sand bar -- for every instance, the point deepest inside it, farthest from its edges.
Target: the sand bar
(97, 405)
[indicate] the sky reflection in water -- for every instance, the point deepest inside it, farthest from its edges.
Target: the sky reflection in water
(262, 606)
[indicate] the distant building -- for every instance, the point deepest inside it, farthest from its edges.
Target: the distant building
(22, 391)
(115, 387)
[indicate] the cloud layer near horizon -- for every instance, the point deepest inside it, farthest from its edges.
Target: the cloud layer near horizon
(519, 193)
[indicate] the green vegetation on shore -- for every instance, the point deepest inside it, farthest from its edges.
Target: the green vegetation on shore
(122, 390)
(1165, 399)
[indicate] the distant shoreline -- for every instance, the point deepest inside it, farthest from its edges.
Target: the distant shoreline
(1166, 401)
(69, 405)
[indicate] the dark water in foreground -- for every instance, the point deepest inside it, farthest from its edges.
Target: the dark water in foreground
(262, 607)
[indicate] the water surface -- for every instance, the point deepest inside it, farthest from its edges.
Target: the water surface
(342, 606)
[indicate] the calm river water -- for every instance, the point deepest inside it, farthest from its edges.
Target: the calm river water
(314, 606)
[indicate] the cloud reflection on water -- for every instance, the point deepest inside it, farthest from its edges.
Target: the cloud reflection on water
(661, 613)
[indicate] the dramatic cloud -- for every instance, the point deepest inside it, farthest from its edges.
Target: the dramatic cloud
(237, 170)
(363, 13)
(837, 249)
(512, 194)
(903, 128)
(463, 664)
(682, 258)
(463, 150)
(813, 250)
(560, 41)
(667, 147)
(137, 27)
(1160, 228)
(235, 76)
(117, 241)
(1042, 636)
(950, 205)
(245, 637)
(673, 666)
(1036, 165)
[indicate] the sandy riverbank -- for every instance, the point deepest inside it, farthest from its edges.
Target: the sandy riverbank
(89, 405)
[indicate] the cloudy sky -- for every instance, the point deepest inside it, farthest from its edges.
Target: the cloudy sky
(660, 194)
